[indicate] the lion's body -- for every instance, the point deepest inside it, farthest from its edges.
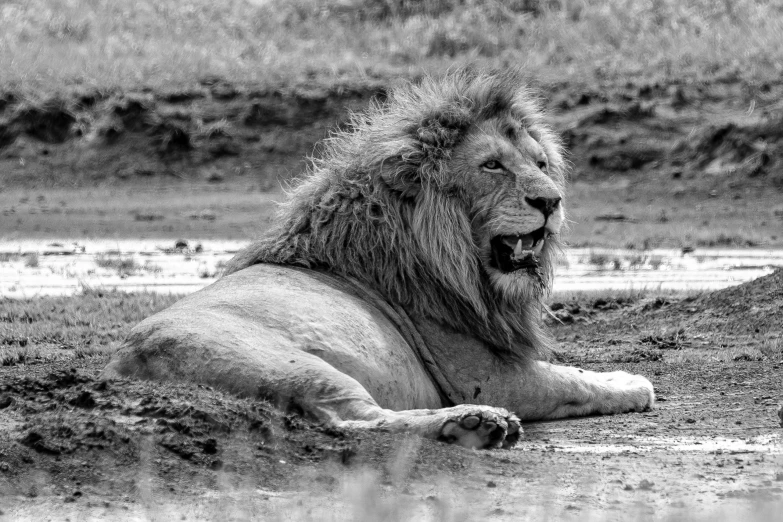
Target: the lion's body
(281, 316)
(402, 282)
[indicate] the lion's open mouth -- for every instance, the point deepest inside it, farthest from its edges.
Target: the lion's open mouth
(517, 252)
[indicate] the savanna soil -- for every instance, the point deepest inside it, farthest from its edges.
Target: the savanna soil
(669, 163)
(73, 446)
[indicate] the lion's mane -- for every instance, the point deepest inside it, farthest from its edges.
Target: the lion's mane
(378, 206)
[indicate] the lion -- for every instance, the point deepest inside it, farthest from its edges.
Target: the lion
(401, 286)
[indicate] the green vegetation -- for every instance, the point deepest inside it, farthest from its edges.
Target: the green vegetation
(45, 44)
(91, 324)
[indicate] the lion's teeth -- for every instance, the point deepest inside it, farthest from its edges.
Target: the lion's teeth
(518, 249)
(538, 247)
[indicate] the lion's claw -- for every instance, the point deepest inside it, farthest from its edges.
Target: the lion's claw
(487, 428)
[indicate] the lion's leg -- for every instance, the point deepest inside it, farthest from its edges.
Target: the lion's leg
(549, 391)
(260, 365)
(337, 399)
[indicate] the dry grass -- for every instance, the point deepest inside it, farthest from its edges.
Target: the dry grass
(629, 295)
(48, 43)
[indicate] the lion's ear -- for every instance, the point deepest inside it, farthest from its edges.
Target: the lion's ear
(442, 129)
(419, 155)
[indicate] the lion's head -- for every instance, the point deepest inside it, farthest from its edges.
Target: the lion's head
(446, 198)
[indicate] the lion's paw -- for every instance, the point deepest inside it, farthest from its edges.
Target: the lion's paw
(633, 392)
(483, 428)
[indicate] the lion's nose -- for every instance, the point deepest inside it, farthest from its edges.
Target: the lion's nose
(545, 205)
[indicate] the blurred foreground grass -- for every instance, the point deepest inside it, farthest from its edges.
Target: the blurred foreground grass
(46, 44)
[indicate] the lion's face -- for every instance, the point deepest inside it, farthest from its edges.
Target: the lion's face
(515, 203)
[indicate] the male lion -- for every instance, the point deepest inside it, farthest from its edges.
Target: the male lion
(401, 286)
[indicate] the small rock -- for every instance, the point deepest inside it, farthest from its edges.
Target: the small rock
(564, 316)
(491, 484)
(646, 485)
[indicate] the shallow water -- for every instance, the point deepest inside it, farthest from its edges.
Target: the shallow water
(29, 268)
(770, 444)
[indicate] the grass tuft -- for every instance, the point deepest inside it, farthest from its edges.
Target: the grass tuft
(123, 265)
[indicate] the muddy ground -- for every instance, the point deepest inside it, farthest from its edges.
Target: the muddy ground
(76, 447)
(678, 163)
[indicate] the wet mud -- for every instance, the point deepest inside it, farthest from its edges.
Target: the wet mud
(712, 449)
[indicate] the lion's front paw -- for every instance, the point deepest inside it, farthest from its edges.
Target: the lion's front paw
(632, 392)
(483, 428)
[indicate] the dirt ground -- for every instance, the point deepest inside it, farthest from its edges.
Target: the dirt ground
(672, 163)
(78, 448)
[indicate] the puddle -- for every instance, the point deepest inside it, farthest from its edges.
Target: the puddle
(30, 268)
(585, 269)
(770, 444)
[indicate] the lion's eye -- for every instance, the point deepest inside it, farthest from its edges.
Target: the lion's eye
(542, 165)
(492, 165)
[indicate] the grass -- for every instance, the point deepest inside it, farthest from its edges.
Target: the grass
(123, 265)
(45, 44)
(628, 295)
(71, 327)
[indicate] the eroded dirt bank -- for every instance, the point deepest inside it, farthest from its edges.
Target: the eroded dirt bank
(73, 446)
(213, 132)
(714, 133)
